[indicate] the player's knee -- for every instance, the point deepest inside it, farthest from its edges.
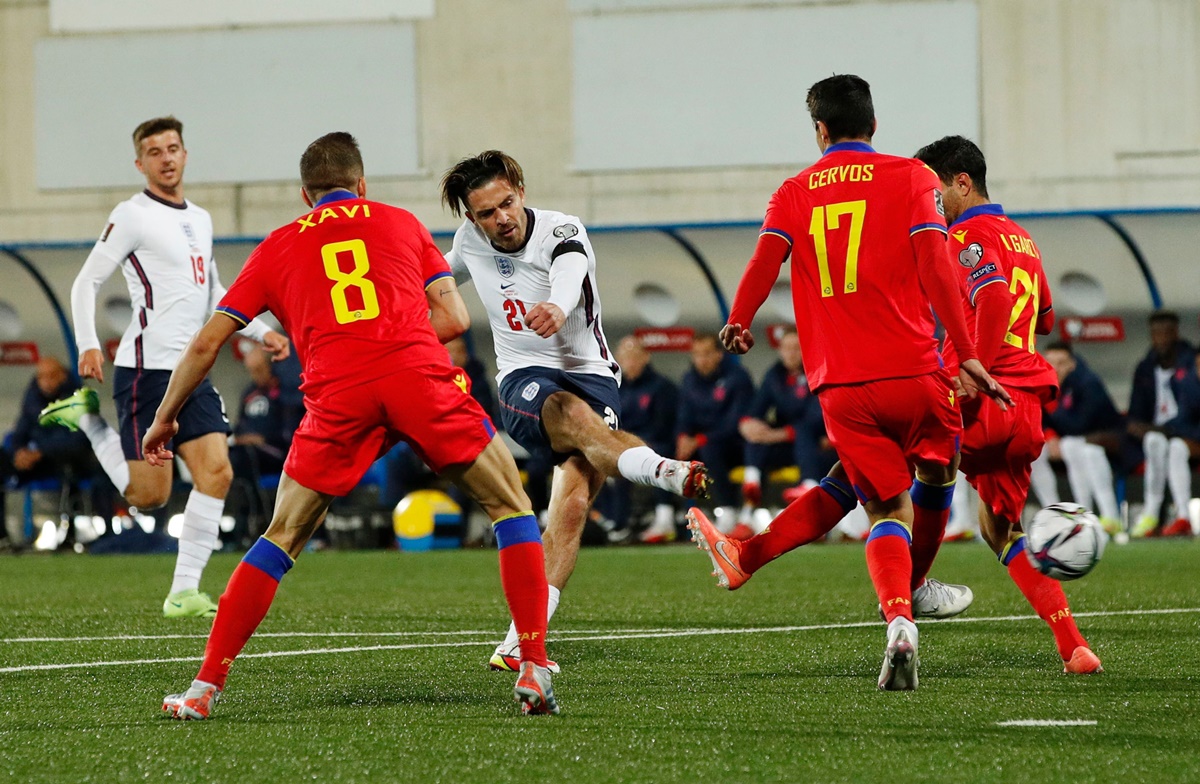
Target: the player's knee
(147, 498)
(934, 473)
(214, 480)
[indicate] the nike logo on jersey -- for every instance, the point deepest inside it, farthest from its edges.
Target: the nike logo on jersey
(506, 286)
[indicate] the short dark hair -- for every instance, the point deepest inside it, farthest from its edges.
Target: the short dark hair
(475, 172)
(950, 156)
(1059, 345)
(843, 103)
(330, 163)
(1164, 317)
(153, 127)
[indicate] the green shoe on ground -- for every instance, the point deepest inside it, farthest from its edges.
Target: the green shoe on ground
(189, 604)
(1145, 527)
(66, 412)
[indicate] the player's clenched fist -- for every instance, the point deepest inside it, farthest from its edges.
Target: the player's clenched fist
(735, 339)
(545, 318)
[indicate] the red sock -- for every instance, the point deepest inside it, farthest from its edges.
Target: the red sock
(805, 520)
(1046, 597)
(244, 604)
(523, 576)
(931, 512)
(890, 565)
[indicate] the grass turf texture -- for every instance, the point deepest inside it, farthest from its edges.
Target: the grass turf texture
(762, 706)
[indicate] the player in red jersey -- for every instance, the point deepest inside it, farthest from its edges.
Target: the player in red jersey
(368, 299)
(1007, 303)
(868, 235)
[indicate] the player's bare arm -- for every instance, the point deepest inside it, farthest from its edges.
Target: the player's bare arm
(447, 311)
(194, 364)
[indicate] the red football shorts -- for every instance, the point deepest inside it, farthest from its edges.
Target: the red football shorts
(343, 432)
(881, 428)
(998, 448)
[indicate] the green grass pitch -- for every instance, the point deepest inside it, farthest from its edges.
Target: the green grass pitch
(665, 677)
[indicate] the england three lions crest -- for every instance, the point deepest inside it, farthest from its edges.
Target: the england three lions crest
(505, 266)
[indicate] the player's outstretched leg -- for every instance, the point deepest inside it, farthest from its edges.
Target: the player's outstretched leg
(248, 596)
(81, 411)
(1044, 594)
(573, 426)
(815, 513)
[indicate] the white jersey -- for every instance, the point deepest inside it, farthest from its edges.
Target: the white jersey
(165, 252)
(511, 283)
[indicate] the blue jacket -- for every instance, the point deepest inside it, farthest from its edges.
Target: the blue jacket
(1186, 423)
(648, 407)
(1143, 398)
(1084, 405)
(784, 400)
(713, 406)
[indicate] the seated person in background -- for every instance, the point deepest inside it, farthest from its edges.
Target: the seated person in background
(481, 385)
(1086, 427)
(260, 438)
(1185, 428)
(267, 418)
(784, 425)
(648, 404)
(714, 395)
(35, 452)
(1154, 402)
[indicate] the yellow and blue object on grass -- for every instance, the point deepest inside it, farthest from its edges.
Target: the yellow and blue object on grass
(427, 520)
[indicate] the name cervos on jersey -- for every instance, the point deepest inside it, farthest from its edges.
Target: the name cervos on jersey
(312, 220)
(858, 172)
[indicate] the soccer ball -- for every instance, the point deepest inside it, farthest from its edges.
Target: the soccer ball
(1064, 541)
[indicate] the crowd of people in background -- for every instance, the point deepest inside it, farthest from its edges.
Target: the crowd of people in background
(763, 442)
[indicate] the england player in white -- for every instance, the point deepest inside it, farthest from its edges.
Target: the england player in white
(536, 276)
(162, 243)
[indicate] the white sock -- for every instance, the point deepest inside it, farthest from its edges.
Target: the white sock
(1043, 481)
(960, 505)
(1155, 446)
(200, 536)
(106, 444)
(1073, 448)
(1100, 472)
(664, 516)
(510, 639)
(1179, 475)
(751, 476)
(640, 464)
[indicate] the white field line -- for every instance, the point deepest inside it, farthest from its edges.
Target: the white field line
(1047, 723)
(475, 632)
(587, 637)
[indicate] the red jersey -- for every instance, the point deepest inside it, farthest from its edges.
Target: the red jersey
(861, 312)
(347, 281)
(991, 248)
